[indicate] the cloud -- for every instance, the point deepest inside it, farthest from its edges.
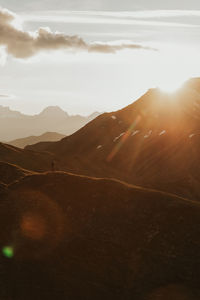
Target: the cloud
(143, 14)
(6, 96)
(141, 18)
(6, 16)
(24, 44)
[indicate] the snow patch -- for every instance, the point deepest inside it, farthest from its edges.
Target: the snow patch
(114, 118)
(135, 132)
(118, 137)
(191, 135)
(148, 134)
(162, 132)
(99, 147)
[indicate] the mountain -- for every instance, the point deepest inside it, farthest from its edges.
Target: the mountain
(76, 237)
(153, 142)
(6, 112)
(46, 137)
(14, 125)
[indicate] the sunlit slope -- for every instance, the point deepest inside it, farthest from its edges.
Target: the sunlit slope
(153, 142)
(75, 237)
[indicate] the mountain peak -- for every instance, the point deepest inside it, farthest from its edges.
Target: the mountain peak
(53, 111)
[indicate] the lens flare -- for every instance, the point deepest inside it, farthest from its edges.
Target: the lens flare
(123, 139)
(33, 226)
(8, 251)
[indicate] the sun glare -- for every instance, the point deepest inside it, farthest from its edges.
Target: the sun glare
(170, 87)
(171, 84)
(171, 68)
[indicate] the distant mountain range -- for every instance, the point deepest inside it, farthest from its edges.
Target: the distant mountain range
(15, 125)
(46, 137)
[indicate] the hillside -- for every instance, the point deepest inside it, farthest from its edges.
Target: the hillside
(3, 188)
(153, 142)
(46, 137)
(41, 146)
(29, 160)
(75, 237)
(10, 173)
(15, 125)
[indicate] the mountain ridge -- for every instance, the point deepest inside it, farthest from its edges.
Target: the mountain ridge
(30, 140)
(15, 125)
(152, 142)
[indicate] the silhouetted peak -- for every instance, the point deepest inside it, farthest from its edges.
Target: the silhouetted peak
(53, 111)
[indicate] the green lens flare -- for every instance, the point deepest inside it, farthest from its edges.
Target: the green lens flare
(8, 251)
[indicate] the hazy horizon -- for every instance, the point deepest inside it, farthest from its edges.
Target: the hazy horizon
(46, 107)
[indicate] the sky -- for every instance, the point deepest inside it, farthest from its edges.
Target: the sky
(92, 55)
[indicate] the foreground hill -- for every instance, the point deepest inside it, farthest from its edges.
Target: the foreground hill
(29, 160)
(153, 142)
(10, 173)
(72, 237)
(46, 137)
(14, 125)
(3, 188)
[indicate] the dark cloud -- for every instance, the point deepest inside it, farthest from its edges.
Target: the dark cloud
(22, 44)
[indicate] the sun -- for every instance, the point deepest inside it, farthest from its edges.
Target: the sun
(171, 84)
